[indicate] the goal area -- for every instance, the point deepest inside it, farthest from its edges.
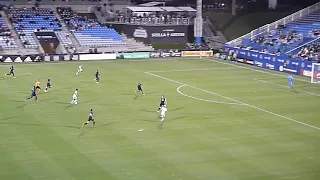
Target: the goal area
(315, 73)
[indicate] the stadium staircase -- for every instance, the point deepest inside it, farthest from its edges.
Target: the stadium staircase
(64, 27)
(133, 45)
(301, 22)
(214, 38)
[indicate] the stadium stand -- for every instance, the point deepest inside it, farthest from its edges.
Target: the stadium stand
(298, 38)
(6, 39)
(28, 20)
(88, 31)
(155, 15)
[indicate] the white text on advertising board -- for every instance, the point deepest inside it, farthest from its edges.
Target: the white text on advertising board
(167, 34)
(140, 33)
(196, 53)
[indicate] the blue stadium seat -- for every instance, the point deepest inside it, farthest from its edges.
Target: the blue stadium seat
(89, 32)
(302, 29)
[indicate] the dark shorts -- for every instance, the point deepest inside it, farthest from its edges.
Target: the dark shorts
(162, 103)
(33, 94)
(48, 85)
(139, 88)
(90, 119)
(38, 87)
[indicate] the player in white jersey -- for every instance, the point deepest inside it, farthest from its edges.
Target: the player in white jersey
(79, 69)
(163, 111)
(75, 97)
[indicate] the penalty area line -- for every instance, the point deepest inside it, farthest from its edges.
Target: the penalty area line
(252, 106)
(252, 69)
(279, 85)
(205, 100)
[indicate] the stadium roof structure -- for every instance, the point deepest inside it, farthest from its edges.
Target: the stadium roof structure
(171, 9)
(144, 9)
(150, 4)
(186, 8)
(161, 9)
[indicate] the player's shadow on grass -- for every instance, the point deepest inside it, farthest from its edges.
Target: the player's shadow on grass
(295, 91)
(160, 126)
(84, 131)
(149, 111)
(73, 127)
(177, 118)
(21, 105)
(9, 118)
(177, 109)
(18, 101)
(67, 107)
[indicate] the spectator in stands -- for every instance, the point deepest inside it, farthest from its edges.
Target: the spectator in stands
(310, 52)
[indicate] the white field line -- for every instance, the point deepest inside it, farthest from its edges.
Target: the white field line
(182, 70)
(193, 87)
(279, 85)
(256, 70)
(252, 106)
(218, 102)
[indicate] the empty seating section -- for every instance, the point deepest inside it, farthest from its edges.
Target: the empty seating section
(64, 38)
(290, 39)
(88, 31)
(28, 20)
(6, 39)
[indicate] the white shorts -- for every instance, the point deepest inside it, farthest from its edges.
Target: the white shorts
(74, 97)
(163, 115)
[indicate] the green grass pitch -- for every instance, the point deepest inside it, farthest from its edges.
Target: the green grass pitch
(224, 122)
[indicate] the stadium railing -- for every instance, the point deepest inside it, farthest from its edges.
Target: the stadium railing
(268, 27)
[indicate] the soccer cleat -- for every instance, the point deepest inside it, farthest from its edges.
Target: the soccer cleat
(5, 74)
(14, 77)
(45, 91)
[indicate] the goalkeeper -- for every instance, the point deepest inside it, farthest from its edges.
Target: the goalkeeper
(290, 81)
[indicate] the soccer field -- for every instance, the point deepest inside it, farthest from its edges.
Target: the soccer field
(225, 121)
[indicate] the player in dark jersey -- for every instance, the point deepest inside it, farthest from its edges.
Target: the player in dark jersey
(11, 72)
(163, 101)
(97, 76)
(34, 93)
(140, 88)
(48, 85)
(90, 118)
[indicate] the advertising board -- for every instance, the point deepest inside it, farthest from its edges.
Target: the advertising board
(155, 34)
(85, 57)
(273, 62)
(164, 53)
(196, 53)
(133, 55)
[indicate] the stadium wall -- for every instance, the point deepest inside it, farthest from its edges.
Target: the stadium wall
(176, 34)
(272, 62)
(104, 56)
